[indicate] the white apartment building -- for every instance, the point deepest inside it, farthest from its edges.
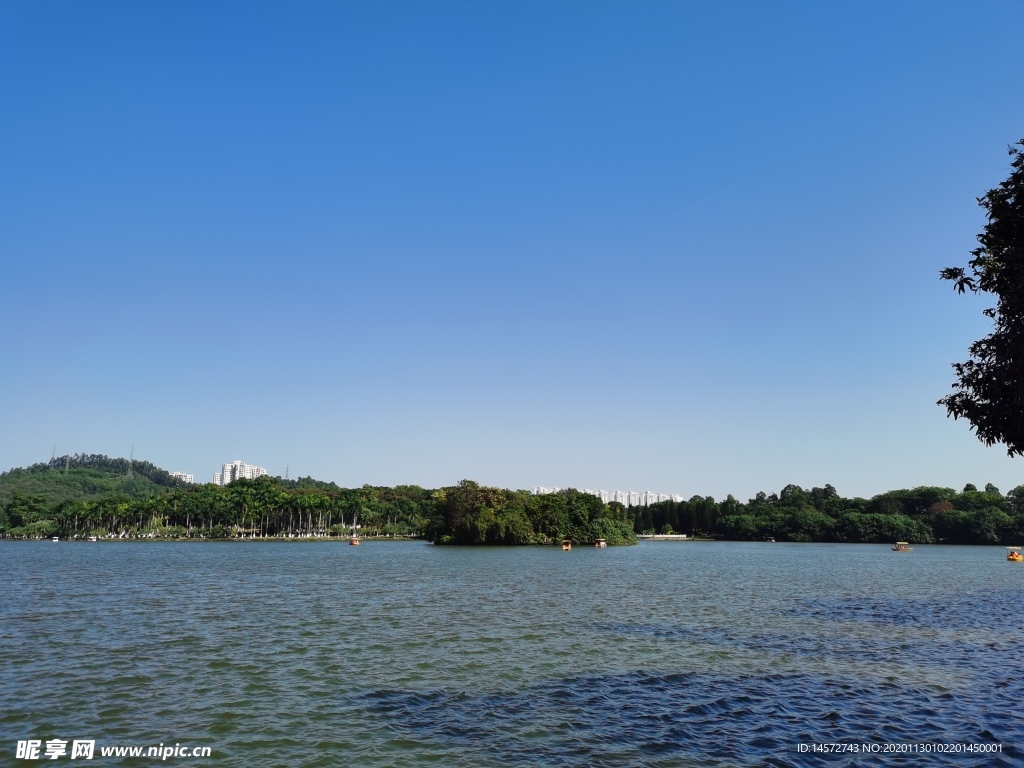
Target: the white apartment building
(185, 478)
(620, 496)
(650, 497)
(626, 498)
(237, 470)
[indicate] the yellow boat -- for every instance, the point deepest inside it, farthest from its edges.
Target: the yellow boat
(1013, 554)
(901, 546)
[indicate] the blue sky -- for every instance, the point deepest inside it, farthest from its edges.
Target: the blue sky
(678, 246)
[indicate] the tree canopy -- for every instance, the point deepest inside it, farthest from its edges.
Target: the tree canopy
(989, 390)
(95, 498)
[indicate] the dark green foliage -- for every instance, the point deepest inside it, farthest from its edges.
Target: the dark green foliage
(915, 501)
(745, 527)
(308, 482)
(879, 528)
(1015, 501)
(98, 461)
(82, 477)
(923, 515)
(92, 498)
(989, 526)
(989, 390)
(23, 509)
(472, 514)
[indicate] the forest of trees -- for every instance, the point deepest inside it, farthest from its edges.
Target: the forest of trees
(924, 515)
(85, 476)
(91, 495)
(265, 507)
(472, 514)
(85, 496)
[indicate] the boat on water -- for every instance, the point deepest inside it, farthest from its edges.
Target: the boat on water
(1014, 555)
(770, 539)
(56, 538)
(902, 546)
(566, 544)
(92, 538)
(354, 539)
(600, 543)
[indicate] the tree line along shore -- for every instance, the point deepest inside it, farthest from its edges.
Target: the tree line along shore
(82, 496)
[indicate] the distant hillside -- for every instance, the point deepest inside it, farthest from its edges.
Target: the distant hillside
(84, 477)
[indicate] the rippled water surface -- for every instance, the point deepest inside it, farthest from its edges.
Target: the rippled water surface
(396, 654)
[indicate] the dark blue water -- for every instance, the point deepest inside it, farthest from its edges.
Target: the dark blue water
(396, 654)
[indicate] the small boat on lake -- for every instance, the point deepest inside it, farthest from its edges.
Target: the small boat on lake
(902, 546)
(566, 544)
(600, 543)
(92, 538)
(1013, 554)
(56, 538)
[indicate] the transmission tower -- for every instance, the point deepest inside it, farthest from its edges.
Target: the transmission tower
(286, 468)
(131, 460)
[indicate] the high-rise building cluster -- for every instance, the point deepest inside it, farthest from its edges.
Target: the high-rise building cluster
(626, 498)
(237, 470)
(183, 476)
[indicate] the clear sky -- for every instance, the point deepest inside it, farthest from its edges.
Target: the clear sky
(690, 247)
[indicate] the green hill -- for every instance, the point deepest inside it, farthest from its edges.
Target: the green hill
(84, 477)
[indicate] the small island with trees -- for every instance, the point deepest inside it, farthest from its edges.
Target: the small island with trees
(88, 495)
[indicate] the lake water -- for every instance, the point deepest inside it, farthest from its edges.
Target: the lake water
(402, 654)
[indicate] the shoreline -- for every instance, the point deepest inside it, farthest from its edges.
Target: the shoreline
(200, 540)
